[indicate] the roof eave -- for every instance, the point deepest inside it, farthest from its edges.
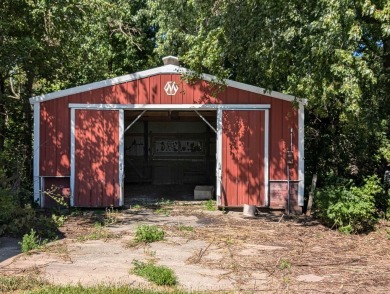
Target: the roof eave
(166, 69)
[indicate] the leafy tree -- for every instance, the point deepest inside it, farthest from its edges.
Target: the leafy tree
(335, 53)
(51, 45)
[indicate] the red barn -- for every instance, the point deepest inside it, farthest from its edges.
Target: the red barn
(153, 127)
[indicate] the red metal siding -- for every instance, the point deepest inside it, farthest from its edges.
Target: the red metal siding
(55, 132)
(55, 138)
(243, 158)
(96, 158)
(283, 117)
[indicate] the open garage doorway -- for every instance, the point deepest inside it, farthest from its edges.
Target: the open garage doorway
(167, 153)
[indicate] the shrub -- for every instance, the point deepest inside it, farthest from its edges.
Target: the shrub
(160, 275)
(148, 234)
(17, 220)
(349, 208)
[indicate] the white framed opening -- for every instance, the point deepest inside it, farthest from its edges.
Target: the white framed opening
(217, 109)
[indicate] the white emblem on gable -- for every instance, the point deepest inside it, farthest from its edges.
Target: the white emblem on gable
(171, 88)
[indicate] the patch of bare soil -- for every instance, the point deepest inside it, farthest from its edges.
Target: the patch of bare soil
(215, 250)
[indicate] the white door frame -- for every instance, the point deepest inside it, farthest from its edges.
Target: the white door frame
(219, 108)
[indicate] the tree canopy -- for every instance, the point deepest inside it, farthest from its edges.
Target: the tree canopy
(335, 53)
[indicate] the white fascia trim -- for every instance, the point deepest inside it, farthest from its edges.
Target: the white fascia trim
(218, 165)
(266, 158)
(72, 154)
(37, 188)
(121, 156)
(170, 106)
(167, 69)
(301, 154)
(251, 88)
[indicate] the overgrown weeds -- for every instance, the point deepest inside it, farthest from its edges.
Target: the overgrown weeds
(20, 283)
(99, 232)
(210, 205)
(160, 275)
(32, 241)
(111, 216)
(284, 264)
(148, 234)
(162, 211)
(34, 285)
(182, 227)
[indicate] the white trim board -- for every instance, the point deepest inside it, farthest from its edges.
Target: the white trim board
(301, 155)
(72, 154)
(36, 179)
(166, 69)
(218, 164)
(170, 106)
(121, 157)
(266, 158)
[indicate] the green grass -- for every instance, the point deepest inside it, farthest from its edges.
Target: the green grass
(148, 234)
(164, 202)
(32, 284)
(210, 205)
(284, 264)
(99, 232)
(136, 207)
(182, 227)
(100, 289)
(162, 211)
(160, 275)
(20, 283)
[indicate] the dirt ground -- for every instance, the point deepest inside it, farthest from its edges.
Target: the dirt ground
(212, 251)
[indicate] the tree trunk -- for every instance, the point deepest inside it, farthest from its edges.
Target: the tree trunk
(311, 194)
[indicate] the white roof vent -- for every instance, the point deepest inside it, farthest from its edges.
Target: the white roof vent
(171, 60)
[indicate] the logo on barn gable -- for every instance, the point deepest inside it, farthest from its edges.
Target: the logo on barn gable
(171, 88)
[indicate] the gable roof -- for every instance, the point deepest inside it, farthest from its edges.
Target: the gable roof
(166, 69)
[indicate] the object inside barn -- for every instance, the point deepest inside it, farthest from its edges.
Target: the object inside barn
(169, 147)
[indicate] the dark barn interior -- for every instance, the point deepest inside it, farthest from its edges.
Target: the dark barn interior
(167, 153)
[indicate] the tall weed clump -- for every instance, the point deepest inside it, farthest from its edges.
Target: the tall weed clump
(349, 208)
(148, 234)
